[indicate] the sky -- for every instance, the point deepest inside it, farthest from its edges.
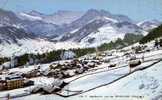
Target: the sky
(137, 10)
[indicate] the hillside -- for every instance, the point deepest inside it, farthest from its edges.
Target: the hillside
(153, 34)
(128, 39)
(10, 35)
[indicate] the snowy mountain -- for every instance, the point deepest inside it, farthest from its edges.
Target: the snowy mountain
(11, 35)
(63, 17)
(31, 24)
(32, 15)
(83, 28)
(149, 24)
(98, 26)
(54, 24)
(40, 28)
(88, 29)
(35, 13)
(88, 17)
(94, 14)
(59, 18)
(18, 42)
(108, 33)
(25, 16)
(8, 18)
(73, 22)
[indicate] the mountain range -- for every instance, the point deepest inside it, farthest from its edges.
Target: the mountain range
(88, 29)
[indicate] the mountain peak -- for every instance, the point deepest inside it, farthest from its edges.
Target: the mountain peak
(149, 24)
(92, 10)
(98, 12)
(35, 13)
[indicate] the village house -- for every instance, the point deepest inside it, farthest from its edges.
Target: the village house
(10, 82)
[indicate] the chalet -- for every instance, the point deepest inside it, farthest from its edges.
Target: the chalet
(10, 82)
(14, 81)
(32, 73)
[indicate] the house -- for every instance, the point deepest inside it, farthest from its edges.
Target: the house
(11, 82)
(32, 73)
(14, 81)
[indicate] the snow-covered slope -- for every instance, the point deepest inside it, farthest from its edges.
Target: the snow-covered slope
(63, 17)
(8, 18)
(104, 34)
(40, 28)
(11, 35)
(96, 27)
(33, 46)
(102, 30)
(15, 41)
(149, 24)
(33, 25)
(108, 33)
(59, 18)
(147, 83)
(29, 17)
(90, 16)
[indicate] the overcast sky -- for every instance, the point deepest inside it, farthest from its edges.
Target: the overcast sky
(138, 10)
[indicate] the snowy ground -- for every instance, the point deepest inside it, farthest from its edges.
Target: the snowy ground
(33, 46)
(142, 85)
(146, 85)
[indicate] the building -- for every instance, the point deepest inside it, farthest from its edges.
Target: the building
(14, 82)
(10, 82)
